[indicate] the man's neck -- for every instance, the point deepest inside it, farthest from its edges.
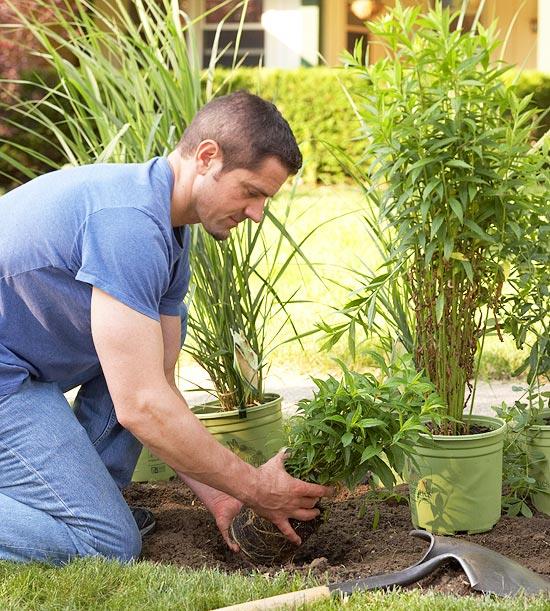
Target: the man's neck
(180, 205)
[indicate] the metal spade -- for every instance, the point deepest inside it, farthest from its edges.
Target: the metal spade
(487, 570)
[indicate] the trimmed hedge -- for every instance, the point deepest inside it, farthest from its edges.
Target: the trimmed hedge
(313, 102)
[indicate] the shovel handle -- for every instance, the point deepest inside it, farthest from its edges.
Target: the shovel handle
(291, 599)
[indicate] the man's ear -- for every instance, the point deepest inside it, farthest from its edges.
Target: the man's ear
(207, 152)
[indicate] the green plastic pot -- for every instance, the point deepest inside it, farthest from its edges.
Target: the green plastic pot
(149, 468)
(455, 481)
(538, 452)
(255, 438)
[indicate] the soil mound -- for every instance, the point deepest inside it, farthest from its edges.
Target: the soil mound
(362, 537)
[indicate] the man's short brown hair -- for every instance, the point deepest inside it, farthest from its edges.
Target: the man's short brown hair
(247, 129)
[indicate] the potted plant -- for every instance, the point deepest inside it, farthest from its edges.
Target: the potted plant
(537, 439)
(353, 426)
(526, 465)
(528, 321)
(236, 317)
(457, 194)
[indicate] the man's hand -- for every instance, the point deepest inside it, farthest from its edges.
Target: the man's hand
(222, 506)
(281, 497)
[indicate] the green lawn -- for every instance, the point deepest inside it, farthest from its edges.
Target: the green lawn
(101, 585)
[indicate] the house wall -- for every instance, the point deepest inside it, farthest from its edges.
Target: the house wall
(291, 31)
(543, 36)
(521, 48)
(297, 31)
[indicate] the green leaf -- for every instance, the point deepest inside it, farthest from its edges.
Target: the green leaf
(381, 470)
(525, 511)
(476, 229)
(432, 184)
(347, 438)
(371, 422)
(458, 163)
(436, 224)
(430, 250)
(469, 270)
(369, 452)
(456, 207)
(424, 208)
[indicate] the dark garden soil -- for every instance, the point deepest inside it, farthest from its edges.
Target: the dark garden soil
(361, 538)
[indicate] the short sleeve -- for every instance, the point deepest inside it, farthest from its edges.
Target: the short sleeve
(123, 252)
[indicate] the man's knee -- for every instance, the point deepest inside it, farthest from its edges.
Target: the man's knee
(125, 546)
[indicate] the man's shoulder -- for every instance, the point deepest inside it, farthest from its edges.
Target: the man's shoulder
(143, 172)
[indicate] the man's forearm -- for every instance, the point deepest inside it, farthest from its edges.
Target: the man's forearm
(206, 493)
(166, 425)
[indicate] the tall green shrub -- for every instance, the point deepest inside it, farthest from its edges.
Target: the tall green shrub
(459, 194)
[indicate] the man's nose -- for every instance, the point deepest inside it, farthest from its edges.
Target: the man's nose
(255, 210)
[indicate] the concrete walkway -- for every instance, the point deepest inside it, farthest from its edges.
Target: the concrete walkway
(293, 387)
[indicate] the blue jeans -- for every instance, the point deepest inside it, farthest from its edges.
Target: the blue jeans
(61, 472)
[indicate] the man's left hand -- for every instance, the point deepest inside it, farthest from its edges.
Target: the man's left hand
(222, 506)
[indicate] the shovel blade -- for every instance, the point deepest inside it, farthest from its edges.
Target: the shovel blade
(487, 570)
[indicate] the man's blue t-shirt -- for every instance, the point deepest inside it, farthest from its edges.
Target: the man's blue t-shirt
(103, 225)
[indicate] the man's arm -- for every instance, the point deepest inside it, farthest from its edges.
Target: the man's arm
(222, 506)
(171, 340)
(131, 351)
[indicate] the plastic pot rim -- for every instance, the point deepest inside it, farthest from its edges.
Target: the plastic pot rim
(270, 399)
(499, 424)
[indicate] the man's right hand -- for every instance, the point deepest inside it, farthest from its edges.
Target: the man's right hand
(280, 496)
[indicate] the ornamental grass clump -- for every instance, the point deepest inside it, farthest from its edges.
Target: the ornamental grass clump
(355, 429)
(128, 81)
(236, 298)
(458, 193)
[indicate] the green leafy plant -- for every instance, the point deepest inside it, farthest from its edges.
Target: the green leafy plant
(518, 484)
(526, 308)
(361, 424)
(457, 194)
(353, 429)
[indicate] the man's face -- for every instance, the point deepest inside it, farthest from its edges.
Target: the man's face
(225, 199)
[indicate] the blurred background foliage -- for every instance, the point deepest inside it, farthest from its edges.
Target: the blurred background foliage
(312, 100)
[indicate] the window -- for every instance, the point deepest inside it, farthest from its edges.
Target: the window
(252, 40)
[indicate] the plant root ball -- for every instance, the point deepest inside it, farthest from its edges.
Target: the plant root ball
(262, 542)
